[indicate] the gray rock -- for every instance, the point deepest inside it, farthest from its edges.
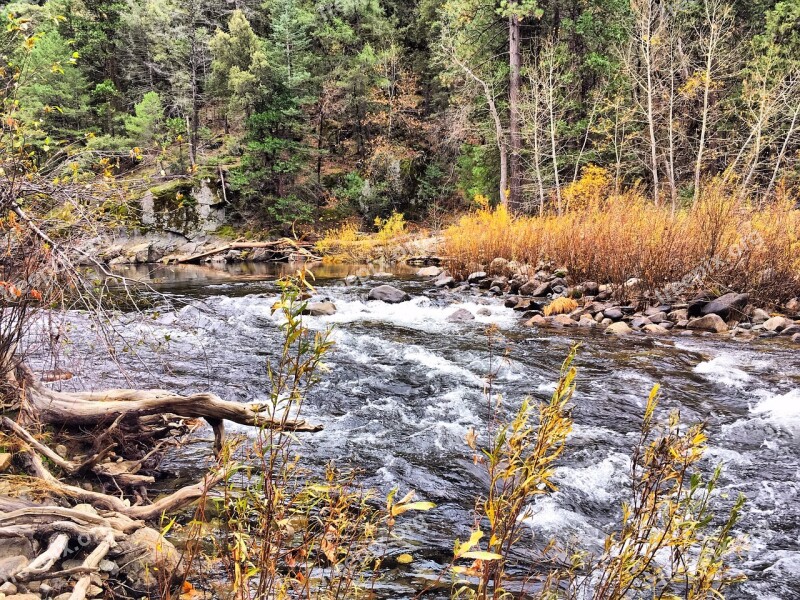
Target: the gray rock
(476, 276)
(498, 266)
(542, 289)
(484, 312)
(8, 588)
(727, 306)
(536, 321)
(618, 328)
(497, 291)
(606, 322)
(695, 308)
(526, 304)
(590, 288)
(791, 330)
(17, 546)
(615, 314)
(561, 321)
(429, 272)
(500, 282)
(711, 322)
(527, 289)
(148, 557)
(444, 281)
(352, 280)
(759, 316)
(388, 294)
(320, 309)
(659, 317)
(777, 324)
(793, 306)
(681, 314)
(796, 338)
(655, 329)
(461, 315)
(587, 321)
(640, 322)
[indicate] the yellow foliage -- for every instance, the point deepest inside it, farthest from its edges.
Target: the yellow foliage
(560, 306)
(589, 190)
(612, 238)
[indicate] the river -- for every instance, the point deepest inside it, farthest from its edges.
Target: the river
(404, 387)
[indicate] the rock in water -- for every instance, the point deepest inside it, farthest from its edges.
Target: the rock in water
(710, 322)
(727, 306)
(388, 294)
(461, 315)
(777, 324)
(618, 328)
(476, 276)
(429, 272)
(615, 314)
(444, 281)
(320, 309)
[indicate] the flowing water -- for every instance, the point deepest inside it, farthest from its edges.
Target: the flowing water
(405, 386)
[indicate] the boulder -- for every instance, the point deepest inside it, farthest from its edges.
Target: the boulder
(654, 310)
(526, 304)
(498, 266)
(148, 557)
(655, 329)
(542, 289)
(352, 280)
(590, 288)
(618, 328)
(429, 272)
(614, 313)
(681, 314)
(476, 276)
(777, 324)
(388, 294)
(500, 282)
(587, 321)
(695, 308)
(759, 316)
(444, 281)
(640, 322)
(484, 312)
(793, 306)
(791, 329)
(17, 546)
(562, 321)
(727, 306)
(528, 289)
(11, 565)
(320, 309)
(460, 315)
(659, 317)
(711, 322)
(536, 321)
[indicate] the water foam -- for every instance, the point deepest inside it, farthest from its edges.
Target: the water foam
(723, 369)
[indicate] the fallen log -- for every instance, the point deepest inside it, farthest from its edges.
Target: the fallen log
(283, 246)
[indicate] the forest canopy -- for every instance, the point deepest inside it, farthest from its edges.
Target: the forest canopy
(327, 110)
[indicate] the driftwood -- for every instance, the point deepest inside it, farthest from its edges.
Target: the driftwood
(281, 249)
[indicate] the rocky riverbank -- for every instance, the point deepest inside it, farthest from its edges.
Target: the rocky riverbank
(546, 298)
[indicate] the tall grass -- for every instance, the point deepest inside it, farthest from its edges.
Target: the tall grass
(727, 243)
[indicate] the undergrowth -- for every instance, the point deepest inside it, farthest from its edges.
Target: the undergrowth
(721, 242)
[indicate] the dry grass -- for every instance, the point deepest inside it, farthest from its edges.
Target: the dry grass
(721, 243)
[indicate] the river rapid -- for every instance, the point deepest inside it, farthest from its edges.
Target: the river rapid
(404, 386)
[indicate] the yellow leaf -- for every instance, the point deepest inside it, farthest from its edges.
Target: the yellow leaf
(405, 559)
(481, 555)
(399, 509)
(469, 544)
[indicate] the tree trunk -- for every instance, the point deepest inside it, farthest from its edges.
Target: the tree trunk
(515, 167)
